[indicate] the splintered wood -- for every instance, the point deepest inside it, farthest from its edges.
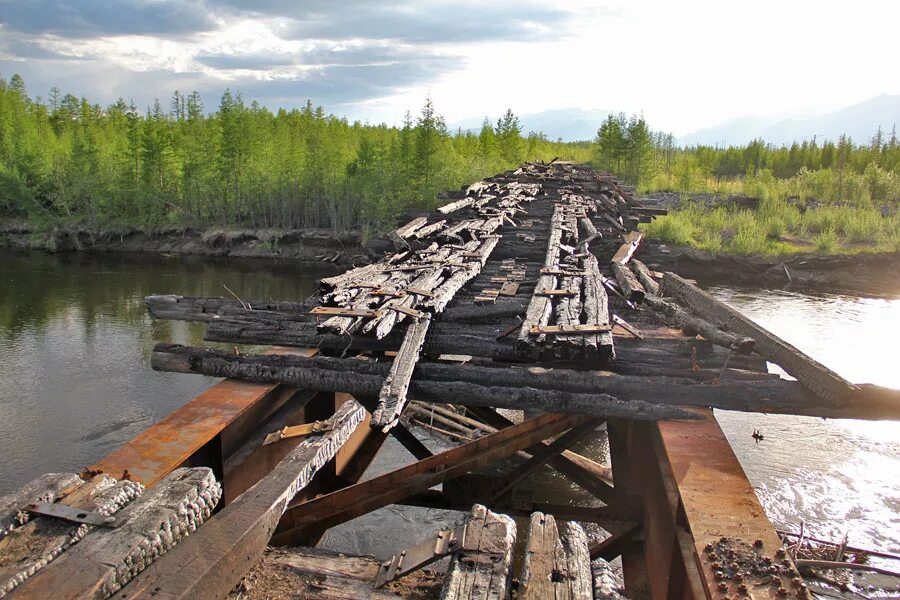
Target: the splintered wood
(481, 567)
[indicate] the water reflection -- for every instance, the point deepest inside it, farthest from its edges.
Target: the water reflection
(75, 377)
(840, 476)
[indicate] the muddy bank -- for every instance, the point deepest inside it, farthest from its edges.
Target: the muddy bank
(865, 273)
(307, 245)
(877, 274)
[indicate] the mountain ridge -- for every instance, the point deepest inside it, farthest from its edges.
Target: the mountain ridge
(859, 121)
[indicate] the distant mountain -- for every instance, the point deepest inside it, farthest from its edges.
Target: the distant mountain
(570, 124)
(859, 121)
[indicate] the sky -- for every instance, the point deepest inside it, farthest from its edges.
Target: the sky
(685, 65)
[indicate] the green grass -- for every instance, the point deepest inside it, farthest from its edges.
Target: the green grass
(778, 228)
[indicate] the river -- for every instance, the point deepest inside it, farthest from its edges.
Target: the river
(75, 383)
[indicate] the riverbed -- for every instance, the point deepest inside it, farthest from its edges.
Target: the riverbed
(75, 383)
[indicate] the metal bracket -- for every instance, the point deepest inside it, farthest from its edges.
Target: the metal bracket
(293, 431)
(70, 513)
(441, 544)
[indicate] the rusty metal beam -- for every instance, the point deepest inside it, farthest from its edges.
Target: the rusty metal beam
(720, 509)
(163, 447)
(345, 504)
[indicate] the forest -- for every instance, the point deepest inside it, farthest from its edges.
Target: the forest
(69, 161)
(65, 161)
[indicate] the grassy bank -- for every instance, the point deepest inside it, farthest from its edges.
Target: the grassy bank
(777, 228)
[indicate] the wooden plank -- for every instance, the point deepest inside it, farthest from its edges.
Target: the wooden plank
(392, 399)
(107, 559)
(455, 206)
(409, 312)
(552, 568)
(510, 288)
(46, 488)
(814, 375)
(427, 230)
(480, 570)
(540, 307)
(554, 293)
(561, 272)
(212, 561)
(350, 502)
(627, 327)
(626, 250)
(596, 308)
(568, 329)
(31, 547)
(401, 233)
(337, 311)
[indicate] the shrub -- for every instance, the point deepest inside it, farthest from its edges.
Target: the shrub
(826, 241)
(672, 229)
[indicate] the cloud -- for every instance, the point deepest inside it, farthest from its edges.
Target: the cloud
(433, 21)
(334, 85)
(253, 61)
(91, 18)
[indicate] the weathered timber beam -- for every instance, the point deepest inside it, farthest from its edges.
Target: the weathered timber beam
(489, 313)
(480, 570)
(366, 379)
(814, 375)
(350, 502)
(626, 250)
(392, 398)
(455, 206)
(46, 488)
(212, 561)
(692, 324)
(34, 545)
(596, 305)
(188, 308)
(645, 277)
(107, 559)
(401, 233)
(631, 287)
(598, 393)
(555, 567)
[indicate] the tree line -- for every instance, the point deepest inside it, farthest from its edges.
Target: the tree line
(65, 160)
(842, 171)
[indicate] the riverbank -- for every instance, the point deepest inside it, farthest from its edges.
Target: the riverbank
(304, 245)
(876, 273)
(864, 273)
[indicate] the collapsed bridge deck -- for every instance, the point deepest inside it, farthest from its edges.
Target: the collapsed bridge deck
(523, 291)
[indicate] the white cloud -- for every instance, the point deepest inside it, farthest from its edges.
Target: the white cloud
(685, 65)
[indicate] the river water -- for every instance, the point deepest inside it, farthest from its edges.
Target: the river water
(75, 383)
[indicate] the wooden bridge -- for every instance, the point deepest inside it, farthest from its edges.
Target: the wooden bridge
(524, 291)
